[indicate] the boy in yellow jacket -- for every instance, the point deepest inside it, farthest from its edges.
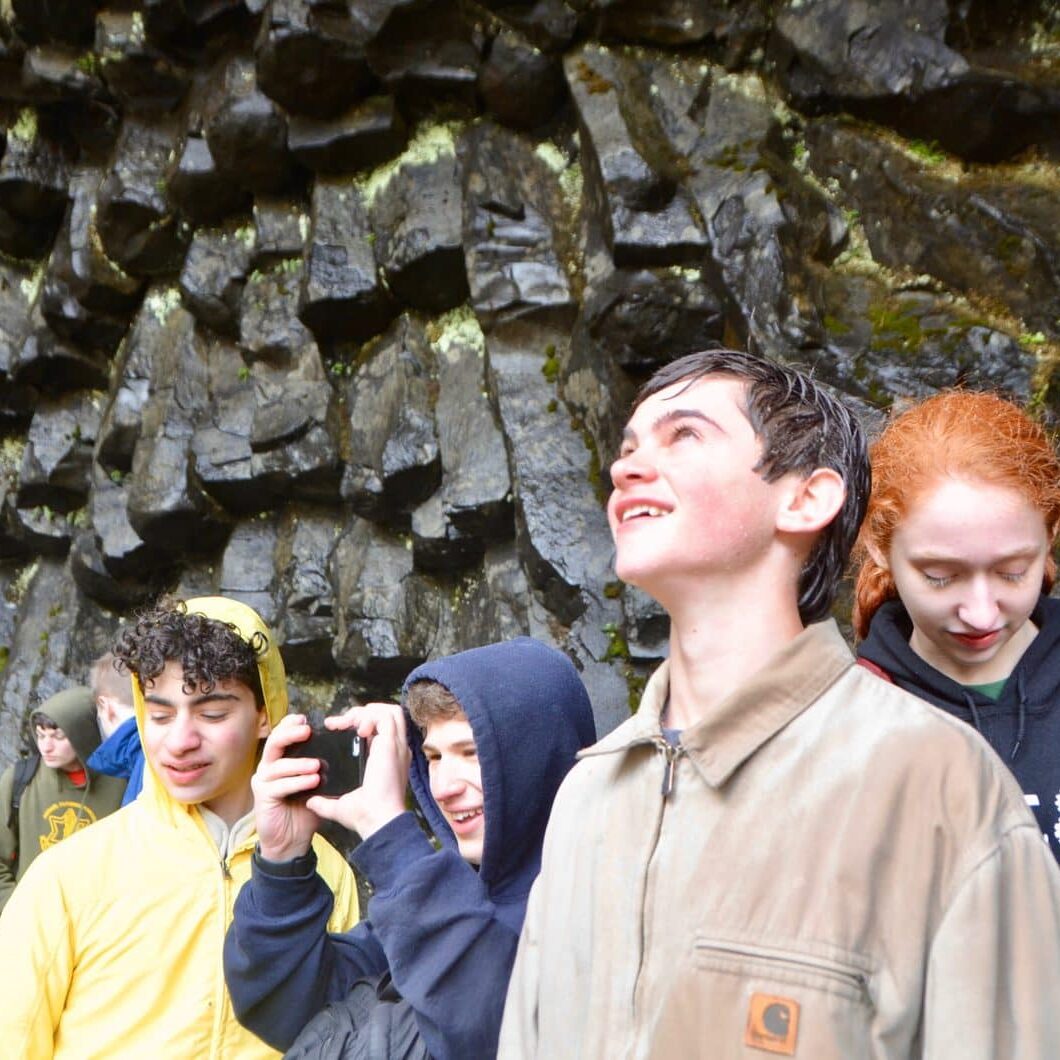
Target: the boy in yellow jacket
(112, 945)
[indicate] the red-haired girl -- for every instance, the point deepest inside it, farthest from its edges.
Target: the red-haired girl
(956, 559)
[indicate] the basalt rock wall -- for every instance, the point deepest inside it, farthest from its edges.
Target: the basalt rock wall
(337, 307)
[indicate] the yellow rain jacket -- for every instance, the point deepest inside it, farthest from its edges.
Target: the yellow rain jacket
(111, 945)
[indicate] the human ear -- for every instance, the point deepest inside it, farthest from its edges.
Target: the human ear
(264, 725)
(813, 502)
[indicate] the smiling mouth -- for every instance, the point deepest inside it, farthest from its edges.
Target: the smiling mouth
(465, 816)
(642, 511)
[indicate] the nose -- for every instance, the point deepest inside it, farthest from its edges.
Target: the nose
(182, 734)
(979, 608)
(633, 467)
(446, 781)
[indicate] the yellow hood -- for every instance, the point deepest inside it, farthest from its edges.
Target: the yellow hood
(250, 627)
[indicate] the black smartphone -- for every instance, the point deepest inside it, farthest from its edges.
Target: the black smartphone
(341, 754)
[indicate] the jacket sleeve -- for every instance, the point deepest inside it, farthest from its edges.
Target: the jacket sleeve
(449, 950)
(519, 1029)
(8, 838)
(994, 963)
(37, 944)
(281, 965)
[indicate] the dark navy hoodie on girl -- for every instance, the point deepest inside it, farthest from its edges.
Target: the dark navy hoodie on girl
(1022, 725)
(446, 933)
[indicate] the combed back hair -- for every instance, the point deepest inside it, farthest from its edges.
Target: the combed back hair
(800, 427)
(106, 680)
(959, 434)
(208, 650)
(429, 701)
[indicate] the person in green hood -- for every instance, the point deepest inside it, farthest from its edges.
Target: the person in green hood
(53, 793)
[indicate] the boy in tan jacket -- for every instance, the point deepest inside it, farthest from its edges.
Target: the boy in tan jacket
(780, 853)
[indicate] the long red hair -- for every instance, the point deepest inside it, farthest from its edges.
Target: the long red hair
(956, 433)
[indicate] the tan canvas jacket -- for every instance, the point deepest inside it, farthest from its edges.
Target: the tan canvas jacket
(839, 871)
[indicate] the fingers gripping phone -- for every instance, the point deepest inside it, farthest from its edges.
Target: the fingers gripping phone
(341, 754)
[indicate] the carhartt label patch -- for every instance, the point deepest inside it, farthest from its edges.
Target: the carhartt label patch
(772, 1024)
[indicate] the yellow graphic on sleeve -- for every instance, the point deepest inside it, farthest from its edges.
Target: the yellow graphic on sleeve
(65, 818)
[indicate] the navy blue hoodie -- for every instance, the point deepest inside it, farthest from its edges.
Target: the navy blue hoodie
(1022, 726)
(446, 933)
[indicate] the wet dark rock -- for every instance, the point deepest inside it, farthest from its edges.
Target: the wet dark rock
(270, 330)
(892, 63)
(214, 273)
(90, 574)
(362, 137)
(738, 25)
(427, 56)
(38, 530)
(247, 134)
(33, 179)
(187, 27)
(416, 215)
(19, 290)
(86, 297)
(203, 194)
(119, 548)
(394, 463)
(56, 74)
(980, 233)
(49, 363)
(138, 74)
(630, 165)
(515, 231)
(560, 524)
(120, 427)
(248, 573)
(343, 297)
(547, 24)
(473, 505)
(310, 57)
(519, 83)
(70, 21)
(644, 318)
(166, 506)
(139, 227)
(885, 344)
(306, 621)
(58, 455)
(295, 434)
(282, 228)
(766, 221)
(647, 624)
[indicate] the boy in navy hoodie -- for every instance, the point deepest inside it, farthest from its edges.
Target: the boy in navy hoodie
(494, 732)
(121, 753)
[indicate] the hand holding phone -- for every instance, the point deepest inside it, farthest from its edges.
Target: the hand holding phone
(341, 754)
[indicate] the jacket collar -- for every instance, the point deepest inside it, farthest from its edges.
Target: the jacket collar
(795, 677)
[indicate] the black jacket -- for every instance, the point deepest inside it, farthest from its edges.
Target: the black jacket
(1022, 726)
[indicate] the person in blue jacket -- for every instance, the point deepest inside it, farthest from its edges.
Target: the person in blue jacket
(494, 731)
(121, 753)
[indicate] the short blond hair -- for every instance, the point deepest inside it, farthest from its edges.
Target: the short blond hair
(429, 701)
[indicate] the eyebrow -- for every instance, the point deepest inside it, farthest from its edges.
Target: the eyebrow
(1028, 552)
(461, 745)
(629, 435)
(207, 697)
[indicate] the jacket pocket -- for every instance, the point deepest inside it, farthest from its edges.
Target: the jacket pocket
(847, 975)
(745, 998)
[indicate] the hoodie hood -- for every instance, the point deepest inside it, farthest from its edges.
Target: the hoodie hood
(249, 625)
(74, 711)
(530, 715)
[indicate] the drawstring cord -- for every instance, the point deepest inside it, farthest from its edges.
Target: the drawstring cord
(1021, 697)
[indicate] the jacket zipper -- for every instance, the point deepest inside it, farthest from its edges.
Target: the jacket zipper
(834, 969)
(672, 754)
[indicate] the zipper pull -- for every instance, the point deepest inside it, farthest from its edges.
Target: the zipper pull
(671, 753)
(224, 869)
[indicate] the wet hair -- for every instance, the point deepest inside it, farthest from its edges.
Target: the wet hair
(429, 701)
(208, 650)
(801, 427)
(959, 434)
(106, 680)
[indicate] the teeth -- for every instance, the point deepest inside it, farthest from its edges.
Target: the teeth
(641, 509)
(466, 816)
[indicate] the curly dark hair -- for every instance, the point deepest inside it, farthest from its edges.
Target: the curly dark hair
(208, 650)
